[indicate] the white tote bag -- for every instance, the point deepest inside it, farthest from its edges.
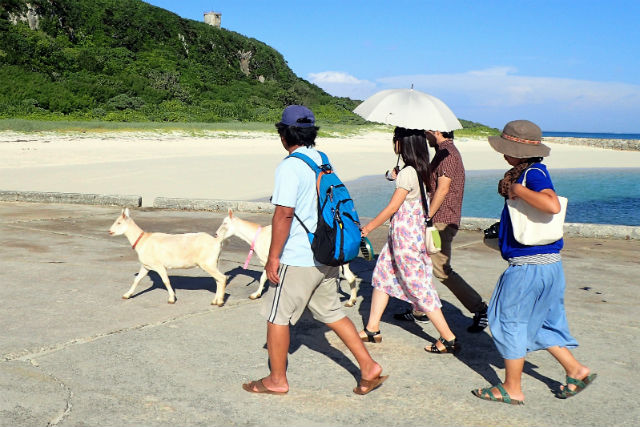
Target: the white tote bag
(531, 226)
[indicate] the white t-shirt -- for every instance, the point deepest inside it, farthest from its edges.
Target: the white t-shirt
(408, 179)
(295, 187)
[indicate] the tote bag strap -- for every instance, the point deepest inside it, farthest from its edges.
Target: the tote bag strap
(425, 202)
(524, 180)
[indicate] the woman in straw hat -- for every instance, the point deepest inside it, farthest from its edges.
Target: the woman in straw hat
(526, 312)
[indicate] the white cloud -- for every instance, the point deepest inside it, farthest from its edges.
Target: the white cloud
(498, 94)
(334, 77)
(494, 71)
(492, 88)
(338, 83)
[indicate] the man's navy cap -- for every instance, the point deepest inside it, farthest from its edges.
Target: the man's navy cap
(299, 116)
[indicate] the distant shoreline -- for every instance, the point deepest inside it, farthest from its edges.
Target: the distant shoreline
(591, 135)
(221, 165)
(608, 143)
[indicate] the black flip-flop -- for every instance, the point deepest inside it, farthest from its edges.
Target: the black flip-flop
(366, 248)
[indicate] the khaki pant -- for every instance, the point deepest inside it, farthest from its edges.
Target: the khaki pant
(452, 280)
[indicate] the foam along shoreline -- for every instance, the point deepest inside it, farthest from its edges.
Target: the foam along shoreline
(222, 165)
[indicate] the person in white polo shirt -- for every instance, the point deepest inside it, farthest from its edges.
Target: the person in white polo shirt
(297, 280)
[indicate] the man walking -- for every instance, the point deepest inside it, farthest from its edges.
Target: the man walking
(445, 208)
(298, 281)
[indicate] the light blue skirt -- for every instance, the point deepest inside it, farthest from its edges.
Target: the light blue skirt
(526, 312)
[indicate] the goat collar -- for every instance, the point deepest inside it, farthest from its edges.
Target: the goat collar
(253, 245)
(137, 240)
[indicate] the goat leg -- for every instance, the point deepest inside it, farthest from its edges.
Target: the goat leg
(141, 275)
(263, 279)
(221, 283)
(167, 284)
(353, 285)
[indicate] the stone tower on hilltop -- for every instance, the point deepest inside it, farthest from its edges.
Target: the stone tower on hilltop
(213, 18)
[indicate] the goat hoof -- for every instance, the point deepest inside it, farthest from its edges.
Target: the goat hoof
(253, 296)
(349, 304)
(171, 302)
(125, 296)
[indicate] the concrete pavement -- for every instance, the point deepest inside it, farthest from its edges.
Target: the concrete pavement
(73, 353)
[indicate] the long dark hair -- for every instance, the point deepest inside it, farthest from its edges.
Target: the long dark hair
(414, 152)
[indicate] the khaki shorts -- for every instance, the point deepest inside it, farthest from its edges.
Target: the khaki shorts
(301, 287)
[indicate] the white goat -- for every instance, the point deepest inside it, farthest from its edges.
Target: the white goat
(160, 251)
(248, 231)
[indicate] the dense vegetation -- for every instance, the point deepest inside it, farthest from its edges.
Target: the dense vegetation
(128, 61)
(475, 129)
(125, 60)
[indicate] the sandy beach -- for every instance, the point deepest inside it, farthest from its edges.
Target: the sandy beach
(221, 165)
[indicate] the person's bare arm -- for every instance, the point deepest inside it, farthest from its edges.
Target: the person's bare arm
(545, 200)
(394, 204)
(442, 189)
(280, 227)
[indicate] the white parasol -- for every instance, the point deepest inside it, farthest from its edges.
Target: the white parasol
(408, 108)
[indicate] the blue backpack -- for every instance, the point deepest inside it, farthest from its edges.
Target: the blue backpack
(336, 240)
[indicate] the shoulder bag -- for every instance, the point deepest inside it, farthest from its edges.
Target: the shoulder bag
(533, 227)
(431, 233)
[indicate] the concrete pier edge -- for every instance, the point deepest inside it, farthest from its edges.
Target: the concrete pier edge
(130, 201)
(604, 231)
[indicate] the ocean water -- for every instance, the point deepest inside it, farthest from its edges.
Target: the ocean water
(596, 196)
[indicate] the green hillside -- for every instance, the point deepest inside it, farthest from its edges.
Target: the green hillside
(125, 60)
(128, 61)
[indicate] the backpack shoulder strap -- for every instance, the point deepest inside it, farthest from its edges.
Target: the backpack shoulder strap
(307, 160)
(326, 165)
(318, 171)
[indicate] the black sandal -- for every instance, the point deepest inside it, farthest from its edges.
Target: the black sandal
(450, 347)
(374, 337)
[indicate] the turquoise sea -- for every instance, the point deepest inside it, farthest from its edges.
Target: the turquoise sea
(596, 196)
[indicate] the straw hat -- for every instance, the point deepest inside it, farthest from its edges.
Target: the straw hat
(520, 139)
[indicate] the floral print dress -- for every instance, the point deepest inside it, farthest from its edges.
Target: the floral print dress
(404, 268)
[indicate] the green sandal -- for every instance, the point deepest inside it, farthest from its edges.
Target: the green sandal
(366, 248)
(487, 394)
(566, 392)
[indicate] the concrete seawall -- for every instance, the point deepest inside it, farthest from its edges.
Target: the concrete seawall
(600, 231)
(71, 198)
(605, 231)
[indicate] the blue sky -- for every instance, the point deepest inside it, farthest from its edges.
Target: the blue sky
(566, 65)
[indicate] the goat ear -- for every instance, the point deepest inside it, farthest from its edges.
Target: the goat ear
(230, 213)
(126, 213)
